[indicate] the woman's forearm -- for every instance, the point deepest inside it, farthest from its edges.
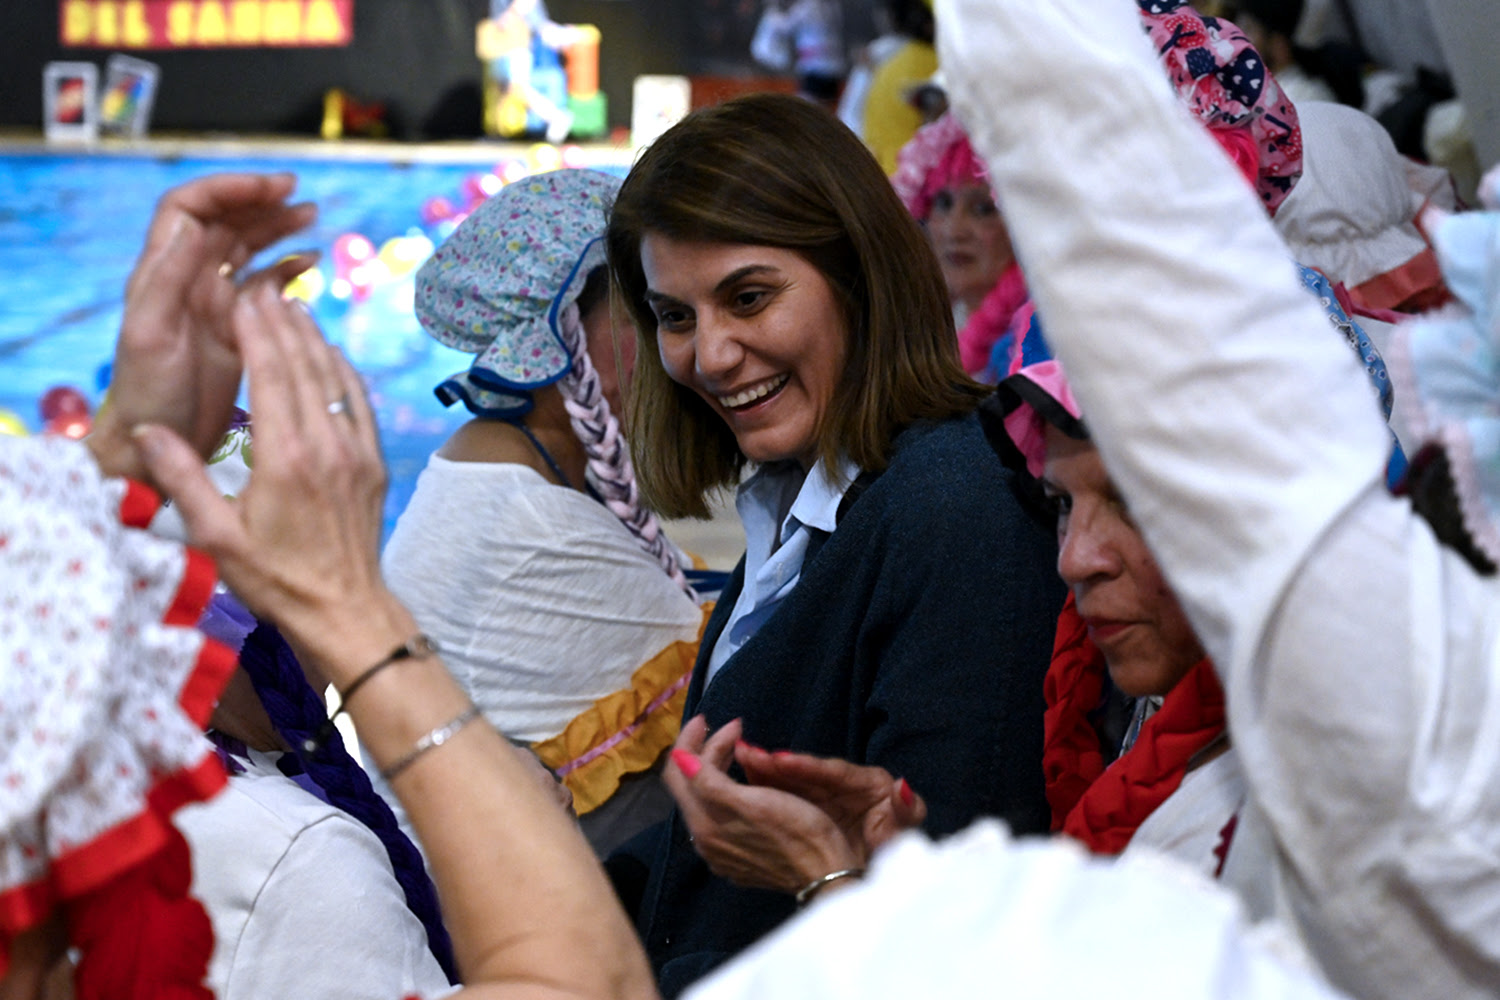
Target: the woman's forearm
(529, 910)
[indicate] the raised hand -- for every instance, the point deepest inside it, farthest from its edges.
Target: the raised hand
(177, 363)
(300, 545)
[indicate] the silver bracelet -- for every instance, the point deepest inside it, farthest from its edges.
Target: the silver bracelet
(811, 889)
(436, 738)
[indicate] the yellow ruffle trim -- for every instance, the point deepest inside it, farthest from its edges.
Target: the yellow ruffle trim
(624, 732)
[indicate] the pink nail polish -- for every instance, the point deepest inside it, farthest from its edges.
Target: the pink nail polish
(908, 797)
(746, 745)
(687, 763)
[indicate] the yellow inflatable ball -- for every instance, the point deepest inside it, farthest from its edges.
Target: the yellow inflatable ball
(402, 255)
(12, 425)
(544, 158)
(308, 286)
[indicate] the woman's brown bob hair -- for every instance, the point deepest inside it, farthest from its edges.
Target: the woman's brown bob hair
(774, 170)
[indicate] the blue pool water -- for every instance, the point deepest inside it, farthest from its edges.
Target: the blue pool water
(70, 229)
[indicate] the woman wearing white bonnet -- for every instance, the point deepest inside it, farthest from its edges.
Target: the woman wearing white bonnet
(1353, 214)
(524, 552)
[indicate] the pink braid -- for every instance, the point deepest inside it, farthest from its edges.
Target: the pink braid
(609, 460)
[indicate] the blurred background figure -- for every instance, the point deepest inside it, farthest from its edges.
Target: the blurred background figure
(877, 103)
(946, 188)
(904, 29)
(807, 38)
(1328, 71)
(525, 40)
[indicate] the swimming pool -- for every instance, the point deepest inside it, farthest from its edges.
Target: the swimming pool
(72, 224)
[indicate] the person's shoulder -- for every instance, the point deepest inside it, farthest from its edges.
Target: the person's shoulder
(943, 473)
(256, 816)
(494, 442)
(954, 448)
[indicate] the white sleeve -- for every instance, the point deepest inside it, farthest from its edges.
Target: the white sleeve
(982, 915)
(1357, 653)
(331, 920)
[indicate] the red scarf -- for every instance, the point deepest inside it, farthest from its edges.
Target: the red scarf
(1102, 807)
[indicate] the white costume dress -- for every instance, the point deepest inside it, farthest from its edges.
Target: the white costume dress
(563, 631)
(301, 896)
(982, 915)
(1358, 655)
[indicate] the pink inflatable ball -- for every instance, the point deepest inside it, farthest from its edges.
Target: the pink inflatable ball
(71, 425)
(478, 187)
(436, 209)
(512, 170)
(62, 400)
(350, 249)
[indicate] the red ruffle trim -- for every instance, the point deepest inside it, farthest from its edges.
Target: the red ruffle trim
(126, 891)
(1414, 287)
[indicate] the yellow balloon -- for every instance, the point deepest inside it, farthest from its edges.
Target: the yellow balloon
(307, 286)
(402, 255)
(510, 116)
(544, 157)
(12, 425)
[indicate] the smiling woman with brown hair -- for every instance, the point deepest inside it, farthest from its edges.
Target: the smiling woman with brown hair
(895, 605)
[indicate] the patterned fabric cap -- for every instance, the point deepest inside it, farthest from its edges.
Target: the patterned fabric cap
(937, 156)
(1224, 81)
(495, 287)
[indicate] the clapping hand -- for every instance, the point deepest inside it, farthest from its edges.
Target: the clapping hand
(177, 364)
(798, 819)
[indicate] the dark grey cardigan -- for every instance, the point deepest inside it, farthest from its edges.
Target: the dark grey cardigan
(916, 639)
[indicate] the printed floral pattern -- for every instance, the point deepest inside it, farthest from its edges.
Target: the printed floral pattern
(496, 287)
(104, 683)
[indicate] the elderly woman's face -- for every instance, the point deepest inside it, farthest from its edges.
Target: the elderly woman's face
(756, 331)
(1131, 613)
(970, 240)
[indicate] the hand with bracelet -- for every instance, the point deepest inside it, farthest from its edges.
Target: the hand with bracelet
(801, 825)
(300, 548)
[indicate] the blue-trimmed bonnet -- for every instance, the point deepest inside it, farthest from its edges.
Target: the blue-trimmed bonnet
(496, 287)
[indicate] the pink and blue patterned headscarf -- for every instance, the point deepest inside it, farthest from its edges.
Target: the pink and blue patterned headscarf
(1222, 79)
(497, 286)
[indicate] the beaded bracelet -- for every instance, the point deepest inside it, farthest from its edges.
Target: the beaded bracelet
(417, 647)
(811, 889)
(436, 738)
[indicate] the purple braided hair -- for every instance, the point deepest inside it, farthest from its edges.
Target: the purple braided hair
(297, 712)
(609, 459)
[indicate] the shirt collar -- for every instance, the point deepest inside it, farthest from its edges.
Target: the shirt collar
(817, 503)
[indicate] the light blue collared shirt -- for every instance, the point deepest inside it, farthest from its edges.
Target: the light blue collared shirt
(783, 497)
